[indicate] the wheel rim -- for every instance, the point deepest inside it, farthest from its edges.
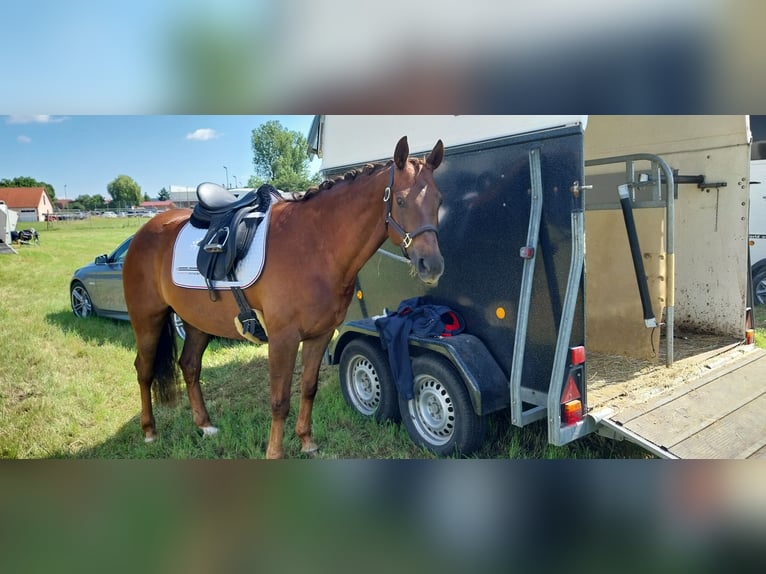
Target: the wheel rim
(363, 384)
(178, 324)
(81, 304)
(432, 410)
(760, 292)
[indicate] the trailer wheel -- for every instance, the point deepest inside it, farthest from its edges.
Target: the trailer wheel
(366, 382)
(440, 417)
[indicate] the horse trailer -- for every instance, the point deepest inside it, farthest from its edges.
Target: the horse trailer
(599, 268)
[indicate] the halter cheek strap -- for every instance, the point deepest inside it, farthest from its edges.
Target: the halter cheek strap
(405, 235)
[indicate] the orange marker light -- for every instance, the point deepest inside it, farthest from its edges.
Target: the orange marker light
(572, 412)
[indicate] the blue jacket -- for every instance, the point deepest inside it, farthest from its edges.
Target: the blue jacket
(416, 317)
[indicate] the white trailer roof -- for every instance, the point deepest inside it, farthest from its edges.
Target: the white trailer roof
(349, 140)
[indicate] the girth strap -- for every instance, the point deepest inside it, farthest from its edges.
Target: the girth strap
(247, 317)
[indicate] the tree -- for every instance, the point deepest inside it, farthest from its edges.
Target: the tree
(280, 158)
(124, 191)
(98, 202)
(88, 202)
(81, 203)
(29, 182)
(163, 195)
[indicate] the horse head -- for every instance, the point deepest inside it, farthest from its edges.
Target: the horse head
(413, 200)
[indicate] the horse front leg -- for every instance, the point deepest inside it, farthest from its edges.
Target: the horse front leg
(190, 362)
(282, 354)
(311, 357)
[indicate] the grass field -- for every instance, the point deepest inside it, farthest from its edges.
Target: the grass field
(68, 387)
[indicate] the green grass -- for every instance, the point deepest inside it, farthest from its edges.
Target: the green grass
(760, 326)
(68, 386)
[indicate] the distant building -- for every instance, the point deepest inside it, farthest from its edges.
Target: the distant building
(63, 203)
(183, 196)
(159, 205)
(30, 203)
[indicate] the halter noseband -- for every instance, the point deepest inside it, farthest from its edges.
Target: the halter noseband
(406, 236)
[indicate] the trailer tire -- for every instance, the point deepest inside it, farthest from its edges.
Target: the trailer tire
(366, 382)
(440, 417)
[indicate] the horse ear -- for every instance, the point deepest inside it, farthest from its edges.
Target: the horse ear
(401, 153)
(436, 156)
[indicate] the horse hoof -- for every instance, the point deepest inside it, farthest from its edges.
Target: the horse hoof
(149, 439)
(209, 431)
(310, 449)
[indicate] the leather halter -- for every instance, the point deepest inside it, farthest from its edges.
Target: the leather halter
(406, 236)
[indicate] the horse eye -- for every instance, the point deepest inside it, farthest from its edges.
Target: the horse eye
(400, 201)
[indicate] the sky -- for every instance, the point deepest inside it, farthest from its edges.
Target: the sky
(81, 57)
(81, 155)
(106, 74)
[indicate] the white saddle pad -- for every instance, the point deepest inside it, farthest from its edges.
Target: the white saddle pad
(247, 271)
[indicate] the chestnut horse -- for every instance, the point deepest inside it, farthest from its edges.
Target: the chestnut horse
(316, 246)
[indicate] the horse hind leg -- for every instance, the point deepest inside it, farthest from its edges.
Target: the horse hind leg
(154, 363)
(311, 358)
(145, 376)
(191, 365)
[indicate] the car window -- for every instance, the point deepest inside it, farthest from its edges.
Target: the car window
(118, 256)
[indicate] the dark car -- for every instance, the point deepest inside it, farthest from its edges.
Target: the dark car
(96, 288)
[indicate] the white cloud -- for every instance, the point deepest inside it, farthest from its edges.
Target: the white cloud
(40, 119)
(203, 134)
(24, 139)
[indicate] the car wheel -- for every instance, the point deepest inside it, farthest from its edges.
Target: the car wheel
(440, 417)
(759, 285)
(366, 382)
(178, 325)
(80, 300)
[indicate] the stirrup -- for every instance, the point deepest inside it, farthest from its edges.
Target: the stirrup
(218, 246)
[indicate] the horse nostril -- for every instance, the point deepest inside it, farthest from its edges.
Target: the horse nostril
(423, 266)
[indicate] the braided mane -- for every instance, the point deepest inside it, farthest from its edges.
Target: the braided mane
(352, 174)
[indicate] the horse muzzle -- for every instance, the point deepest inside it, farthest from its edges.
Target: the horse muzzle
(429, 269)
(427, 262)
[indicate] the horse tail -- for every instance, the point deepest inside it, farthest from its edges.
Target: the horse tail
(166, 389)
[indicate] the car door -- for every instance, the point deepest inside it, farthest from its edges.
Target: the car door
(107, 293)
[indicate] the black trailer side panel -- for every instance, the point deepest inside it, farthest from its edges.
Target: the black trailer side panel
(483, 224)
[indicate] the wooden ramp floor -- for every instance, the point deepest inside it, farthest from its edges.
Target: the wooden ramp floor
(721, 415)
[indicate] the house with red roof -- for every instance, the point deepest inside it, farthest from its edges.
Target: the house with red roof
(30, 203)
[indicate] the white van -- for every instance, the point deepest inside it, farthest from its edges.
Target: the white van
(757, 217)
(757, 231)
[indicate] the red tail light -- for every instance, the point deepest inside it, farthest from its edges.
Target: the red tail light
(577, 355)
(571, 398)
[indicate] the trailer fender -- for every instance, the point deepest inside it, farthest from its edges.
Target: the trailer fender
(486, 384)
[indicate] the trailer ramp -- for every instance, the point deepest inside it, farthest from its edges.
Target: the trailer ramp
(720, 415)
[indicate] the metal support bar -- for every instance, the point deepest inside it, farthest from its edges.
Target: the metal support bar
(525, 297)
(576, 265)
